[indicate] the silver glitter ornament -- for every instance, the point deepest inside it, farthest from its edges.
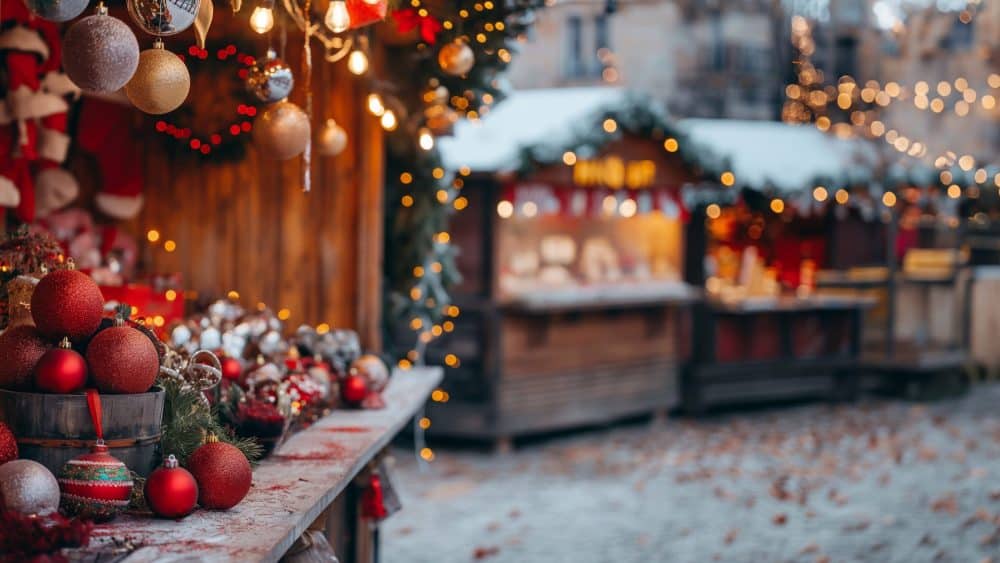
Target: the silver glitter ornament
(57, 10)
(100, 52)
(28, 488)
(271, 79)
(163, 18)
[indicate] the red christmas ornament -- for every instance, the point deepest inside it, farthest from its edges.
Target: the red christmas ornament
(67, 303)
(20, 349)
(232, 369)
(354, 389)
(222, 472)
(96, 485)
(171, 491)
(8, 444)
(61, 370)
(122, 360)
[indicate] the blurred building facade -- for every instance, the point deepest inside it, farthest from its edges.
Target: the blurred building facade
(703, 58)
(953, 57)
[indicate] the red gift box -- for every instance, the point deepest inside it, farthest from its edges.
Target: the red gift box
(157, 309)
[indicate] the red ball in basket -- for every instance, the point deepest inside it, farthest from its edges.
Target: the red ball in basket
(122, 359)
(67, 303)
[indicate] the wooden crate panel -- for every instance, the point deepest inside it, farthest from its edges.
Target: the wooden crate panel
(596, 395)
(553, 344)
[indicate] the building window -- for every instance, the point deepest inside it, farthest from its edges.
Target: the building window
(575, 67)
(602, 42)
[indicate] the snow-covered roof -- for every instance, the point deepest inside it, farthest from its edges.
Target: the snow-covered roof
(524, 118)
(771, 154)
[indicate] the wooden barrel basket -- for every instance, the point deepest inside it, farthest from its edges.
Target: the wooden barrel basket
(52, 429)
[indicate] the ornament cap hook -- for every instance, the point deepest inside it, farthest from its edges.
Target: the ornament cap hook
(171, 462)
(64, 344)
(101, 9)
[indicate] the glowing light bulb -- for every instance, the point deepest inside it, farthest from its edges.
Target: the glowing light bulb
(262, 19)
(357, 63)
(426, 140)
(389, 120)
(375, 105)
(337, 18)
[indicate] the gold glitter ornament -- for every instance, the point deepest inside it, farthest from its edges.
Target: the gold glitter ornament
(100, 52)
(456, 58)
(332, 139)
(281, 131)
(161, 82)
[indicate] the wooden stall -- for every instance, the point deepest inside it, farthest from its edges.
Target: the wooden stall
(574, 309)
(764, 332)
(243, 224)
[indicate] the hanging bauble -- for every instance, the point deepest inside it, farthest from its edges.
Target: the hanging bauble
(163, 18)
(232, 369)
(270, 80)
(456, 58)
(122, 360)
(27, 487)
(373, 370)
(20, 349)
(222, 472)
(57, 10)
(61, 370)
(161, 82)
(171, 491)
(96, 485)
(8, 444)
(67, 303)
(100, 52)
(332, 139)
(281, 131)
(353, 389)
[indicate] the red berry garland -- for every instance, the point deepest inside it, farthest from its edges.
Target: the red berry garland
(171, 491)
(222, 472)
(231, 134)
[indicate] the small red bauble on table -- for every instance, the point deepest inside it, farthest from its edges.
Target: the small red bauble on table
(171, 491)
(61, 370)
(222, 472)
(122, 359)
(232, 369)
(67, 303)
(20, 349)
(353, 389)
(8, 444)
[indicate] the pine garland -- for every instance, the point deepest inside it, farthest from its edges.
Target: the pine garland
(413, 232)
(186, 422)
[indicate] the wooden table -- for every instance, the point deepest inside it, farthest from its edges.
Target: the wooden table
(306, 483)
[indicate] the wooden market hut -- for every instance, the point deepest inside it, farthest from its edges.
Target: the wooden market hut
(572, 252)
(239, 221)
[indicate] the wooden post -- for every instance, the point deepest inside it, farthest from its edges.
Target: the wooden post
(371, 211)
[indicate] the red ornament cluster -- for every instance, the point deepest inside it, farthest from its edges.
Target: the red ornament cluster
(32, 538)
(205, 143)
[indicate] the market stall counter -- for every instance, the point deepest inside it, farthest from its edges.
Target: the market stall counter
(308, 483)
(774, 348)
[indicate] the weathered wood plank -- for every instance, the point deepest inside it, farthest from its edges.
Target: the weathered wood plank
(291, 488)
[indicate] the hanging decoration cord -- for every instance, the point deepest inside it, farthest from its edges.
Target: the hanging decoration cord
(307, 80)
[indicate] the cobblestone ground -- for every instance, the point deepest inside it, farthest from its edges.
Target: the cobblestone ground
(877, 481)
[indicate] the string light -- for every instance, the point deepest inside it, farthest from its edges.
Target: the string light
(375, 105)
(425, 139)
(262, 18)
(727, 178)
(153, 235)
(841, 196)
(337, 18)
(820, 194)
(388, 120)
(357, 62)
